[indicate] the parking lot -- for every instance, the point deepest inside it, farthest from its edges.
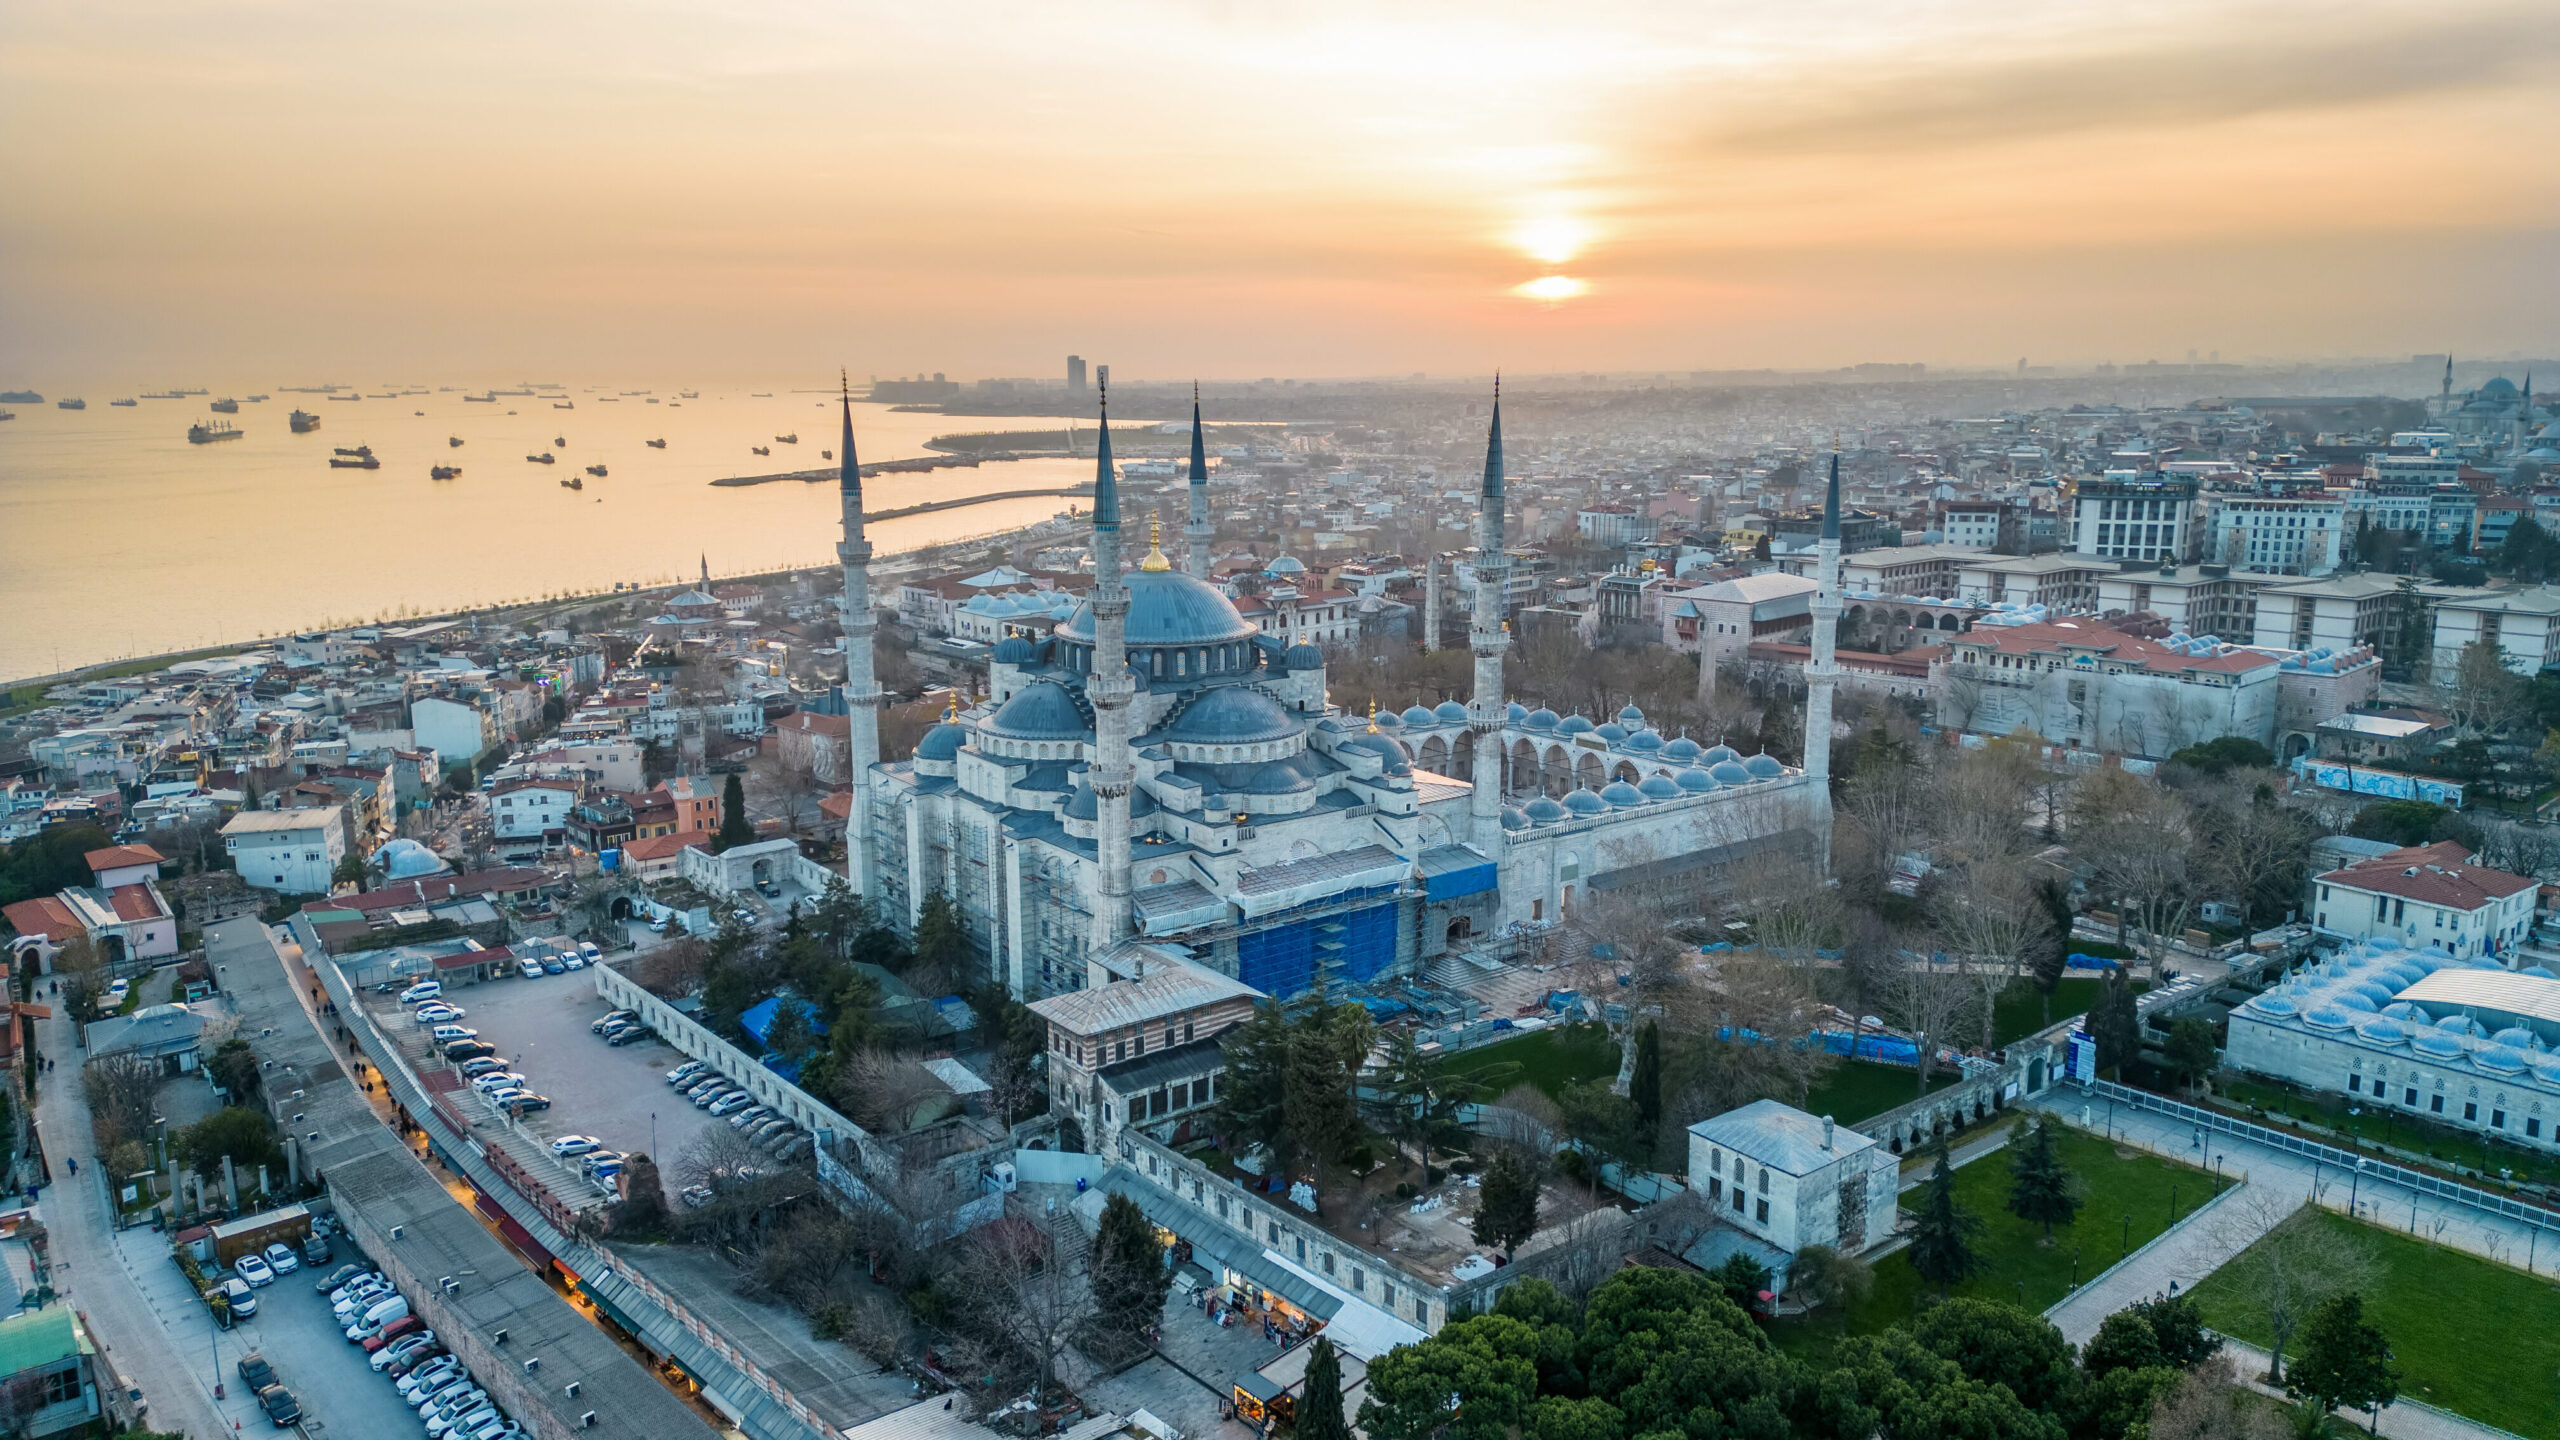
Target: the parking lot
(618, 1095)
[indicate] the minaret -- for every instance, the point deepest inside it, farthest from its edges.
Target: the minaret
(2444, 397)
(1109, 688)
(1488, 638)
(1199, 532)
(1431, 602)
(706, 555)
(2524, 416)
(861, 689)
(1824, 671)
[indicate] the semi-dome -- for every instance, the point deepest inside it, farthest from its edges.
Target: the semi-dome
(1696, 781)
(1016, 650)
(1682, 748)
(406, 859)
(1765, 766)
(2373, 990)
(1231, 715)
(1417, 715)
(2354, 999)
(1302, 657)
(1622, 795)
(1631, 717)
(1279, 777)
(1574, 725)
(1541, 718)
(2546, 1068)
(1660, 787)
(1717, 755)
(2459, 1025)
(1613, 732)
(942, 742)
(1544, 811)
(1585, 802)
(1041, 710)
(1450, 712)
(1731, 773)
(1168, 607)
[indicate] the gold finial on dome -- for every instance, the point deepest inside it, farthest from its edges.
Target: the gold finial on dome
(1373, 714)
(1155, 546)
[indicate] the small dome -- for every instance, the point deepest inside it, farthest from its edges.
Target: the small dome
(1731, 773)
(2458, 1025)
(1644, 740)
(1513, 818)
(1613, 732)
(942, 743)
(1720, 754)
(2436, 1043)
(1544, 811)
(1573, 725)
(2517, 1037)
(2272, 1004)
(2499, 1059)
(1387, 748)
(1765, 766)
(1450, 712)
(1696, 781)
(1042, 710)
(1584, 802)
(1279, 777)
(1660, 787)
(1302, 657)
(406, 859)
(1231, 715)
(2382, 1032)
(1631, 717)
(2351, 999)
(2538, 972)
(2546, 1068)
(1285, 565)
(2373, 990)
(1387, 720)
(1682, 748)
(1622, 795)
(2329, 1017)
(2403, 1010)
(1416, 715)
(1514, 713)
(1541, 718)
(1016, 650)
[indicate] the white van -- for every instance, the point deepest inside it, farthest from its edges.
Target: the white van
(447, 1034)
(424, 990)
(383, 1313)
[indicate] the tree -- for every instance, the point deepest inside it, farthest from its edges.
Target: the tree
(1604, 1124)
(735, 828)
(2478, 692)
(2191, 1050)
(1927, 1002)
(1472, 1381)
(1320, 1414)
(1016, 1293)
(1742, 1280)
(1320, 1112)
(350, 871)
(1829, 1277)
(1999, 1344)
(2113, 1024)
(83, 973)
(1416, 1103)
(2124, 1342)
(1645, 1089)
(2042, 1190)
(122, 1090)
(1942, 1238)
(2051, 959)
(1507, 1203)
(2297, 1263)
(941, 946)
(235, 1131)
(2346, 1362)
(1993, 921)
(234, 1067)
(1129, 1275)
(2209, 1403)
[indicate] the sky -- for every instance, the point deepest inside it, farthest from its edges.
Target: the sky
(643, 189)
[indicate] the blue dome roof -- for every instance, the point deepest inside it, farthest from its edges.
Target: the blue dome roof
(1168, 607)
(406, 859)
(1386, 748)
(1278, 778)
(1660, 787)
(1231, 715)
(1644, 740)
(1285, 565)
(1584, 802)
(2354, 999)
(1696, 780)
(2329, 1017)
(2272, 1004)
(1416, 715)
(1302, 657)
(942, 742)
(2502, 1059)
(1387, 720)
(2382, 1032)
(1016, 650)
(1622, 794)
(2517, 1037)
(1682, 748)
(1514, 713)
(1719, 754)
(1539, 719)
(2436, 1042)
(1613, 732)
(1731, 773)
(1631, 717)
(1513, 818)
(1544, 811)
(1450, 712)
(1041, 710)
(1764, 766)
(1573, 725)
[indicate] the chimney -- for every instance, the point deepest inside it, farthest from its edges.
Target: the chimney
(1826, 1132)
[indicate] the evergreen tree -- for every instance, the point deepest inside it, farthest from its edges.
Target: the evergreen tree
(2052, 956)
(1507, 1204)
(1129, 1274)
(941, 943)
(1942, 1239)
(2042, 1190)
(1415, 1103)
(1249, 1104)
(1319, 1116)
(2191, 1050)
(735, 828)
(2112, 1024)
(2345, 1362)
(1645, 1088)
(1320, 1407)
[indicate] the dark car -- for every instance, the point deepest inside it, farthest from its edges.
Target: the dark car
(627, 1036)
(255, 1372)
(336, 1278)
(280, 1406)
(526, 1104)
(469, 1050)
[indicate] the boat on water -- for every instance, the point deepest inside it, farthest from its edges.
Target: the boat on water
(607, 400)
(596, 470)
(631, 392)
(573, 483)
(70, 404)
(761, 449)
(655, 444)
(125, 403)
(489, 399)
(688, 394)
(360, 450)
(564, 404)
(8, 414)
(560, 440)
(257, 399)
(759, 394)
(544, 458)
(417, 412)
(826, 454)
(653, 399)
(454, 440)
(443, 472)
(201, 433)
(303, 421)
(346, 397)
(20, 397)
(225, 406)
(361, 462)
(791, 439)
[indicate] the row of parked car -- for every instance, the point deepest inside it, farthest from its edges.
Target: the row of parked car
(462, 1044)
(711, 1091)
(450, 1403)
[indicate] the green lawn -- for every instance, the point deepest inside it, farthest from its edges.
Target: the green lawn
(1857, 1089)
(2129, 1198)
(1548, 1059)
(2020, 1010)
(2473, 1337)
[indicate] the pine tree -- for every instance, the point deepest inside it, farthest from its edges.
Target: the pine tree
(942, 942)
(1507, 1205)
(2045, 966)
(1320, 1407)
(735, 828)
(2112, 1026)
(2042, 1190)
(1645, 1088)
(1129, 1274)
(1942, 1239)
(2345, 1362)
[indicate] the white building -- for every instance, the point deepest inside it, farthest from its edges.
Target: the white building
(1972, 524)
(533, 809)
(2523, 624)
(1719, 622)
(2277, 536)
(293, 852)
(2127, 515)
(2436, 896)
(2211, 600)
(1792, 1179)
(457, 730)
(2079, 684)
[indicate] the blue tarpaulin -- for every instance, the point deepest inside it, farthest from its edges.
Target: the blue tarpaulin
(2078, 961)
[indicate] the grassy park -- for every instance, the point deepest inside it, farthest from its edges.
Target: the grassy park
(2470, 1336)
(1549, 1059)
(1853, 1090)
(2129, 1199)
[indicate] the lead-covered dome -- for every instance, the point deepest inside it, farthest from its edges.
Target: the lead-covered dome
(1302, 657)
(1660, 787)
(1765, 767)
(406, 859)
(1231, 715)
(1041, 710)
(1719, 754)
(1168, 607)
(1450, 712)
(1622, 795)
(1417, 715)
(1682, 749)
(1545, 811)
(1585, 802)
(942, 742)
(1016, 650)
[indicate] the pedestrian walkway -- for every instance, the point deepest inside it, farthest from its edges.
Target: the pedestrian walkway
(2401, 1420)
(1958, 1157)
(2174, 1261)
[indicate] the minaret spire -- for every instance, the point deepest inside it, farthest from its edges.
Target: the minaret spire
(1823, 672)
(1488, 638)
(1109, 689)
(861, 687)
(1199, 532)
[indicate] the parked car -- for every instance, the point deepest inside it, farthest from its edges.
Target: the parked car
(478, 1416)
(449, 1034)
(255, 1372)
(595, 1158)
(392, 1333)
(281, 1259)
(490, 1082)
(336, 1278)
(589, 951)
(752, 1115)
(686, 1071)
(551, 966)
(629, 1035)
(408, 1347)
(769, 890)
(792, 1149)
(530, 968)
(436, 1012)
(764, 1130)
(473, 1070)
(315, 1249)
(568, 1145)
(731, 1104)
(525, 1103)
(237, 1294)
(608, 1019)
(413, 1361)
(704, 1085)
(573, 962)
(469, 1050)
(116, 994)
(255, 1270)
(429, 1378)
(421, 992)
(282, 1409)
(697, 1196)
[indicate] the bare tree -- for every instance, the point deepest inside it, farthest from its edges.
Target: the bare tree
(2295, 1261)
(1978, 799)
(2477, 691)
(1020, 1296)
(673, 970)
(808, 1259)
(719, 1159)
(83, 972)
(881, 1090)
(122, 1090)
(2210, 1403)
(1927, 1001)
(1991, 920)
(1793, 914)
(1630, 954)
(2137, 837)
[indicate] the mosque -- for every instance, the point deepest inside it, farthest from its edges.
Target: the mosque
(1156, 776)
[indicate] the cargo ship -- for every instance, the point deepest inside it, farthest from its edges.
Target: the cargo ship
(201, 433)
(346, 397)
(596, 470)
(225, 406)
(125, 404)
(544, 458)
(564, 404)
(573, 483)
(20, 397)
(761, 449)
(791, 439)
(560, 440)
(303, 422)
(656, 444)
(257, 399)
(361, 452)
(361, 462)
(70, 404)
(443, 472)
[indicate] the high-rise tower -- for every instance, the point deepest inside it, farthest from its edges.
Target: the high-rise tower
(1823, 673)
(1110, 690)
(1488, 638)
(861, 687)
(1199, 532)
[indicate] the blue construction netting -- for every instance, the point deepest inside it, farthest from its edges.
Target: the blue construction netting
(1281, 961)
(1890, 1049)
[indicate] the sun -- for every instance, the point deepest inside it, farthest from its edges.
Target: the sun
(1553, 239)
(1552, 288)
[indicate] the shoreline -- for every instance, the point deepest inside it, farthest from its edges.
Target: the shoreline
(916, 466)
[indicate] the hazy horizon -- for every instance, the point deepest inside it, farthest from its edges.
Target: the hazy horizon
(336, 192)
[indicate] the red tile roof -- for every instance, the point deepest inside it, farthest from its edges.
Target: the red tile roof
(664, 847)
(135, 902)
(2439, 874)
(2109, 644)
(116, 857)
(834, 727)
(44, 916)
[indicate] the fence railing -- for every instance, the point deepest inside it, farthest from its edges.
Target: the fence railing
(2380, 1171)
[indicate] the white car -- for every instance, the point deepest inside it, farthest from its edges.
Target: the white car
(418, 1384)
(686, 1071)
(573, 962)
(732, 1103)
(437, 1013)
(568, 1145)
(423, 991)
(255, 1270)
(497, 1080)
(236, 1292)
(587, 948)
(282, 1260)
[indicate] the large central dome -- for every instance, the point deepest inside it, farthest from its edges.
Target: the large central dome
(1168, 607)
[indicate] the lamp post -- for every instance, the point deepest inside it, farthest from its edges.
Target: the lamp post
(2075, 1267)
(2125, 1247)
(2173, 1202)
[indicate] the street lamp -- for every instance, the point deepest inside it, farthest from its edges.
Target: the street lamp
(2075, 1267)
(2173, 1202)
(2126, 1245)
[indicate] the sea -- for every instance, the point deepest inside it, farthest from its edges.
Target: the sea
(118, 538)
